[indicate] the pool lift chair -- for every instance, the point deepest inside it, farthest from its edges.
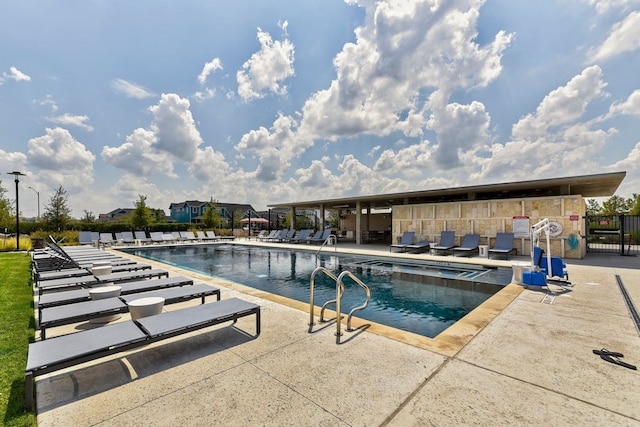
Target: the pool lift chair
(539, 273)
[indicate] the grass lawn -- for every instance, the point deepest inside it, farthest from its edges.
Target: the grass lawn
(17, 328)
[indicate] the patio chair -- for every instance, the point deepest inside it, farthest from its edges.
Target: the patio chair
(188, 236)
(211, 235)
(106, 239)
(303, 236)
(470, 243)
(406, 239)
(83, 311)
(142, 237)
(416, 248)
(53, 299)
(70, 350)
(156, 237)
(447, 242)
(84, 238)
(323, 237)
(127, 237)
(88, 281)
(504, 245)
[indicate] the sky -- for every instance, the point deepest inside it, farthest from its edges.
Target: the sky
(292, 100)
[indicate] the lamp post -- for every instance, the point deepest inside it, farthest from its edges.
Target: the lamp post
(37, 194)
(17, 174)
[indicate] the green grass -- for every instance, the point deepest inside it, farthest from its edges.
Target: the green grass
(17, 329)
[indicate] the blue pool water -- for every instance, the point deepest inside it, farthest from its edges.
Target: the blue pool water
(417, 297)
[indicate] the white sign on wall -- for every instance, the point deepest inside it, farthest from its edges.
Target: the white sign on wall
(521, 226)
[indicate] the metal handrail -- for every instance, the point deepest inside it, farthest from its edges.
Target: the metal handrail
(340, 290)
(312, 283)
(330, 237)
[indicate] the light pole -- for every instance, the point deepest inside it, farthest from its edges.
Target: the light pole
(37, 194)
(17, 174)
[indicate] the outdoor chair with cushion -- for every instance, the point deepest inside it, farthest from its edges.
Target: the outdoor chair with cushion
(504, 245)
(470, 243)
(447, 242)
(407, 239)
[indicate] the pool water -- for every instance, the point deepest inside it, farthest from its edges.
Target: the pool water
(415, 297)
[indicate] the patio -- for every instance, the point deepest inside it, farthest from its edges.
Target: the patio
(530, 363)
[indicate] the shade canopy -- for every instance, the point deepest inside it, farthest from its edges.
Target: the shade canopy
(255, 220)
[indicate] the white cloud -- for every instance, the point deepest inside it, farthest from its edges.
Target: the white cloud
(71, 120)
(207, 93)
(624, 37)
(131, 90)
(630, 107)
(211, 66)
(138, 157)
(604, 6)
(174, 127)
(266, 69)
(563, 105)
(15, 75)
(61, 159)
(403, 51)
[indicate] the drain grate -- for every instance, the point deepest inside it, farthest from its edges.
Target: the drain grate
(548, 299)
(627, 299)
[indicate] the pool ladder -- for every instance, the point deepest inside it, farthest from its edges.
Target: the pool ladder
(339, 293)
(332, 239)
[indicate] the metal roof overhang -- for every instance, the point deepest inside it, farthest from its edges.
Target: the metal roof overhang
(599, 185)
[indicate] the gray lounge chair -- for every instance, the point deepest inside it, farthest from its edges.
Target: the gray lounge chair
(84, 238)
(421, 246)
(323, 237)
(127, 238)
(82, 311)
(504, 245)
(406, 239)
(88, 281)
(70, 350)
(469, 244)
(447, 242)
(141, 236)
(106, 239)
(53, 299)
(302, 236)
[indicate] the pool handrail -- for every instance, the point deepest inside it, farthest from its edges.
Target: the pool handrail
(331, 237)
(339, 297)
(312, 282)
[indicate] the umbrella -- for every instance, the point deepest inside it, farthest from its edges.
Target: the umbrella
(255, 220)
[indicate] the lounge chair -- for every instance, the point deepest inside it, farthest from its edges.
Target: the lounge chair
(447, 242)
(504, 245)
(261, 234)
(211, 235)
(70, 350)
(416, 248)
(470, 243)
(88, 281)
(302, 237)
(84, 238)
(407, 239)
(127, 238)
(156, 237)
(141, 236)
(53, 299)
(269, 236)
(188, 236)
(106, 239)
(323, 237)
(81, 272)
(82, 311)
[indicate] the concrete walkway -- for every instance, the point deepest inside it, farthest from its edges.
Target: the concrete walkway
(529, 362)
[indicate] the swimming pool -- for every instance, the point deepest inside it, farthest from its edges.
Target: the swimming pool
(419, 297)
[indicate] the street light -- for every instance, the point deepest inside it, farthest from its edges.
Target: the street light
(17, 174)
(37, 194)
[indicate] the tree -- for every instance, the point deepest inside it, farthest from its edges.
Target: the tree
(634, 204)
(141, 216)
(333, 219)
(88, 216)
(593, 207)
(57, 213)
(615, 205)
(5, 208)
(211, 215)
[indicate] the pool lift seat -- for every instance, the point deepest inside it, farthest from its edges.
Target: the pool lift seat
(337, 301)
(539, 273)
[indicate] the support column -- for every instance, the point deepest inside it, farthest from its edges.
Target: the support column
(293, 217)
(358, 223)
(322, 217)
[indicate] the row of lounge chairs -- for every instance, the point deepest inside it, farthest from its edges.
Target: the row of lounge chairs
(470, 244)
(67, 300)
(140, 237)
(291, 236)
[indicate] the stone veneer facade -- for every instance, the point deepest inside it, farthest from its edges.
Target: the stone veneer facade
(488, 217)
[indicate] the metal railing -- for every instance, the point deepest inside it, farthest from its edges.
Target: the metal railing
(338, 300)
(332, 238)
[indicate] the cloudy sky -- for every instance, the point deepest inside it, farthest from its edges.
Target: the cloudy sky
(267, 102)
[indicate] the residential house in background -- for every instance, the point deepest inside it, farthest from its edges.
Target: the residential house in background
(191, 211)
(115, 215)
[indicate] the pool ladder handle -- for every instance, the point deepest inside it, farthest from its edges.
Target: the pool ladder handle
(332, 238)
(339, 293)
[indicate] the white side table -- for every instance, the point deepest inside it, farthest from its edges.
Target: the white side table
(102, 292)
(144, 307)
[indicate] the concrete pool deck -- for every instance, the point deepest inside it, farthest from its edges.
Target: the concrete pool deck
(525, 358)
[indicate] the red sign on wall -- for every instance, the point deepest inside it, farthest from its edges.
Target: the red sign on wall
(603, 222)
(574, 217)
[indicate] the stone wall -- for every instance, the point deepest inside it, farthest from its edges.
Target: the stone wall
(489, 217)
